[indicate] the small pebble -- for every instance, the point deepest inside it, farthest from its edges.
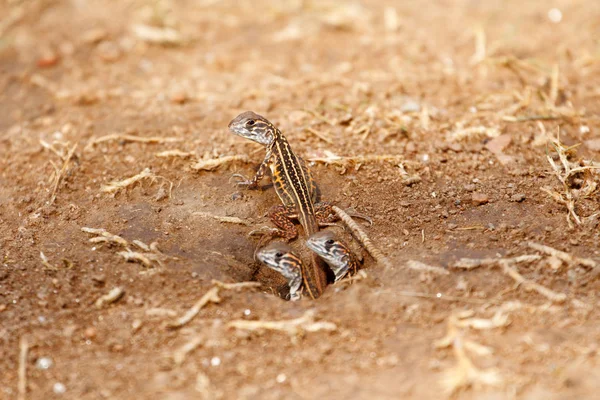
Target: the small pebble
(47, 59)
(59, 388)
(519, 197)
(43, 363)
(179, 97)
(470, 187)
(480, 198)
(215, 361)
(90, 332)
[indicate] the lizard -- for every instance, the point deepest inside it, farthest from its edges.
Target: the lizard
(295, 187)
(339, 257)
(280, 257)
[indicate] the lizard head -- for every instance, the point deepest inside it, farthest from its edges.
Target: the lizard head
(325, 244)
(280, 257)
(252, 126)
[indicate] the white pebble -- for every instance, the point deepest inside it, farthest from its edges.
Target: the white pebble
(555, 15)
(215, 361)
(247, 312)
(59, 388)
(43, 363)
(281, 378)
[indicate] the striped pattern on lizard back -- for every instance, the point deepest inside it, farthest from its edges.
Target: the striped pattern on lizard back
(293, 183)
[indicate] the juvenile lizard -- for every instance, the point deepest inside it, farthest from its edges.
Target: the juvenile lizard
(295, 187)
(334, 252)
(280, 257)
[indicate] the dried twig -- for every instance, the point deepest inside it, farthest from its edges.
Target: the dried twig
(507, 267)
(158, 35)
(104, 236)
(115, 186)
(213, 163)
(561, 255)
(130, 138)
(320, 135)
(419, 266)
(181, 353)
(293, 327)
(61, 172)
(231, 220)
(362, 237)
(338, 160)
(175, 153)
(465, 373)
(109, 298)
(22, 385)
(212, 296)
(474, 131)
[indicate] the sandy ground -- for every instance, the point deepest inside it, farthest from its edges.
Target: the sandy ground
(455, 108)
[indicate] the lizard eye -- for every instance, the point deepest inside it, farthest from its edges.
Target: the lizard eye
(330, 242)
(250, 123)
(278, 254)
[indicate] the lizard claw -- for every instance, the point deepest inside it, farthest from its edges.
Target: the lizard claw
(241, 181)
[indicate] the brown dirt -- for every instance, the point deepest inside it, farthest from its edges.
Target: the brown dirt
(72, 72)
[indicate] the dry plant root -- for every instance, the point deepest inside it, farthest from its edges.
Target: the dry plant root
(129, 138)
(465, 374)
(115, 186)
(507, 266)
(150, 255)
(214, 163)
(212, 296)
(293, 327)
(362, 237)
(577, 181)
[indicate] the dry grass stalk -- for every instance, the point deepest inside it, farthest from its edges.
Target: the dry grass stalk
(530, 285)
(563, 256)
(565, 173)
(473, 131)
(465, 374)
(320, 135)
(115, 186)
(104, 236)
(22, 372)
(472, 263)
(152, 253)
(175, 153)
(143, 258)
(231, 220)
(129, 138)
(419, 266)
(480, 47)
(293, 327)
(46, 263)
(61, 172)
(213, 163)
(212, 296)
(157, 35)
(507, 268)
(362, 237)
(236, 285)
(344, 161)
(181, 353)
(109, 298)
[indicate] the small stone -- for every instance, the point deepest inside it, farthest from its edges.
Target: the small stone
(59, 388)
(43, 363)
(498, 144)
(48, 58)
(90, 332)
(470, 187)
(455, 147)
(179, 97)
(236, 196)
(480, 198)
(519, 197)
(452, 226)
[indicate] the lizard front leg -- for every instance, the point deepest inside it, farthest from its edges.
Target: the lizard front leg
(253, 183)
(282, 217)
